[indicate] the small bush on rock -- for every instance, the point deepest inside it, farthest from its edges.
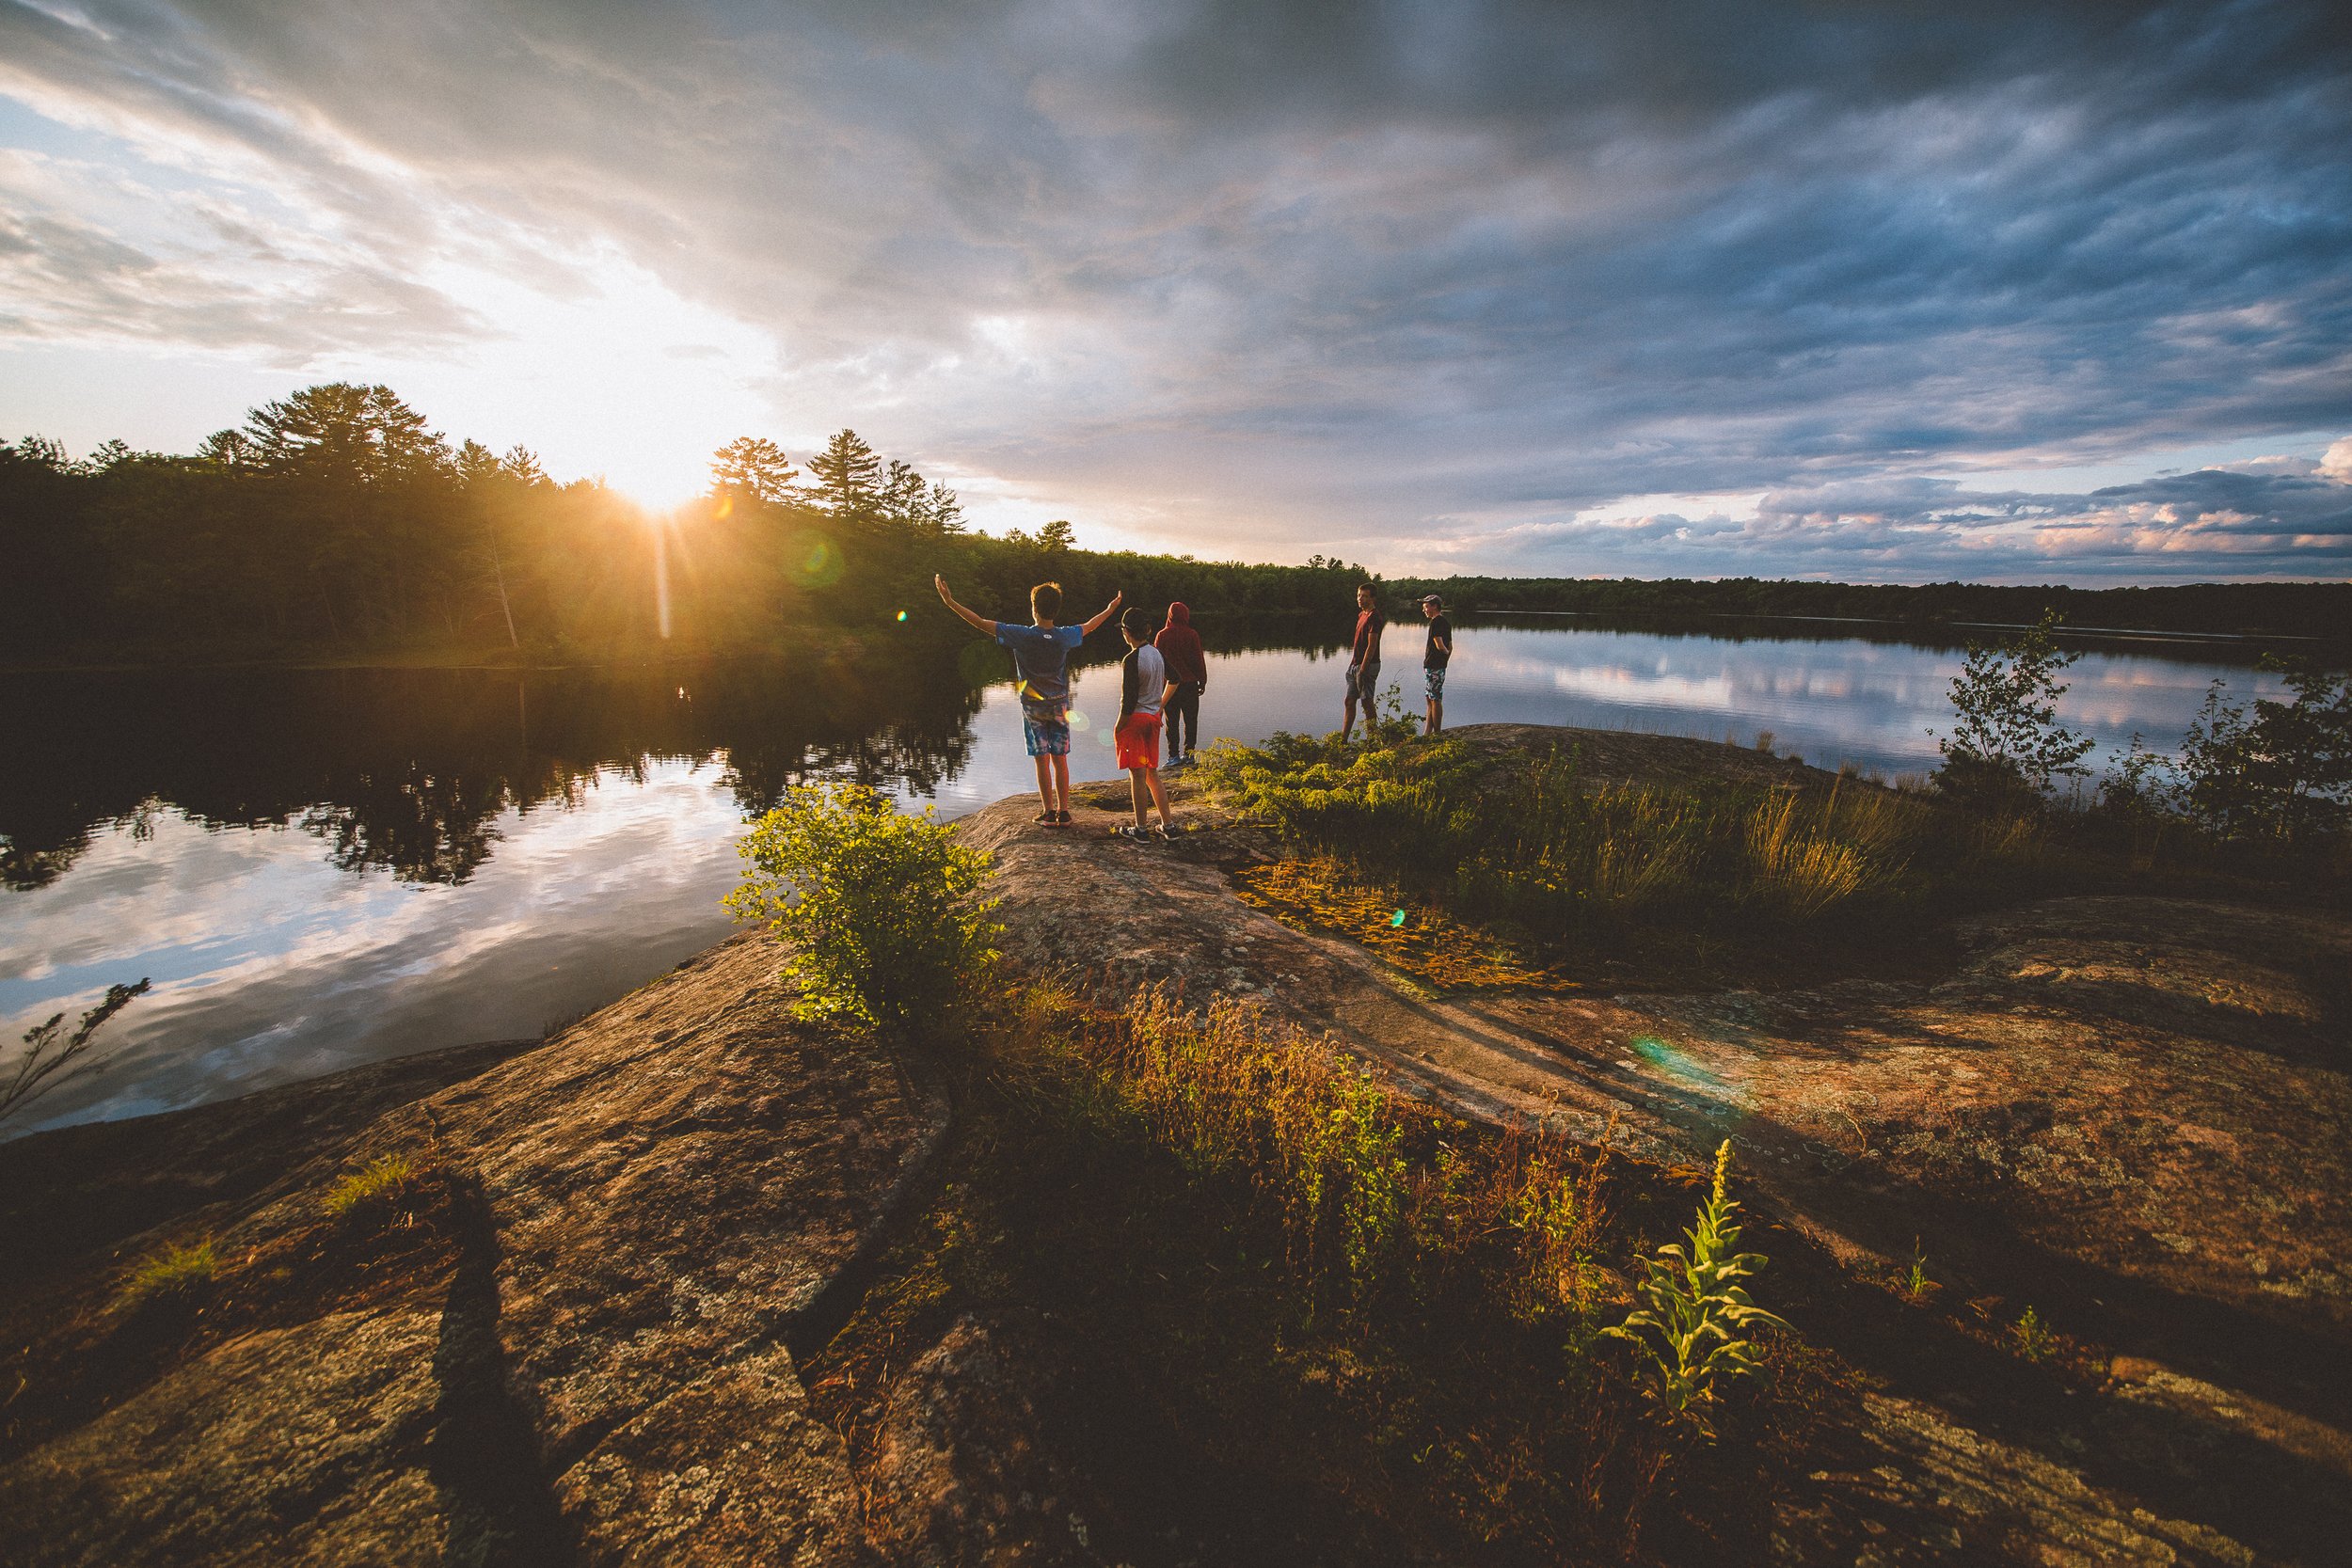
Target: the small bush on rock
(881, 908)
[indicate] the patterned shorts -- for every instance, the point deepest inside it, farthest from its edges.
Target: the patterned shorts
(1046, 730)
(1434, 678)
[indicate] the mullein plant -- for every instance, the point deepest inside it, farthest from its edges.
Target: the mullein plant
(1695, 1327)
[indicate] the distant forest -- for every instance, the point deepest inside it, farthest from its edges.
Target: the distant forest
(337, 522)
(2318, 609)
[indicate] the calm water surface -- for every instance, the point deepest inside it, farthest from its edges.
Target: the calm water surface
(324, 869)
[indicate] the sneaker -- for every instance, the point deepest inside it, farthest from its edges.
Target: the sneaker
(1130, 831)
(1162, 832)
(1061, 820)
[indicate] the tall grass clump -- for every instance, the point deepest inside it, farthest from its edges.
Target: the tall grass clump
(176, 1274)
(1542, 844)
(1692, 1328)
(881, 909)
(383, 1182)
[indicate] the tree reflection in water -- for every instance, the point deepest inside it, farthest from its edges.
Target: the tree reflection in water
(409, 771)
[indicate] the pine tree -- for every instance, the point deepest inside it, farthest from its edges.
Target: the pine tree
(755, 467)
(848, 475)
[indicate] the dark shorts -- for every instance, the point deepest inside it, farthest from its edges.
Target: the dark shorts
(1363, 680)
(1046, 730)
(1433, 676)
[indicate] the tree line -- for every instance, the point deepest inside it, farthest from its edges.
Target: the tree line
(2316, 610)
(338, 521)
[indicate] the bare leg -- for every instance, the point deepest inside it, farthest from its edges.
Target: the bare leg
(1062, 780)
(1134, 790)
(1045, 781)
(1349, 722)
(1159, 798)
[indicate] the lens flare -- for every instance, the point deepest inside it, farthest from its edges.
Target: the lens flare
(661, 578)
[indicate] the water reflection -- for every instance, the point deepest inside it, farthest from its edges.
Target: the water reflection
(410, 771)
(329, 867)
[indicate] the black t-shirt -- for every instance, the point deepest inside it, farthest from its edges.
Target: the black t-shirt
(1434, 657)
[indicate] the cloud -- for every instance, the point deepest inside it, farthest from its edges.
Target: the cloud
(1252, 278)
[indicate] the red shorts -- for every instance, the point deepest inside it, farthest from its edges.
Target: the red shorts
(1138, 737)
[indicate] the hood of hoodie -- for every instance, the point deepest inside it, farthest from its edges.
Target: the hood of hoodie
(1178, 615)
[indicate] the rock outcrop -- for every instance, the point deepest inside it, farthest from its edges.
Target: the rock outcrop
(2133, 1114)
(595, 1369)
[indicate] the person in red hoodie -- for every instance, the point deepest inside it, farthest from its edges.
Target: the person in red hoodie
(1189, 672)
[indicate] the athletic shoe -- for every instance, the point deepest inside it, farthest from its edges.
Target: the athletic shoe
(1129, 831)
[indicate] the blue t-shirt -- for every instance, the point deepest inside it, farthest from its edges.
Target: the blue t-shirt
(1041, 656)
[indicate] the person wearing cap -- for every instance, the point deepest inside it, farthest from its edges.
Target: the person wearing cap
(1433, 657)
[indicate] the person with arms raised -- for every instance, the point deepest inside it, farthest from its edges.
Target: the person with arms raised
(1041, 660)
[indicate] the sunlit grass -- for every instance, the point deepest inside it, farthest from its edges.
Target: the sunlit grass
(177, 1272)
(1422, 939)
(1541, 845)
(380, 1180)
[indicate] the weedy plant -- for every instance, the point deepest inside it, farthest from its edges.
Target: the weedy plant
(881, 909)
(1916, 1285)
(2035, 1339)
(50, 1057)
(1695, 1327)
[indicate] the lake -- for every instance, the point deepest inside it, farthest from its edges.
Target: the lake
(321, 868)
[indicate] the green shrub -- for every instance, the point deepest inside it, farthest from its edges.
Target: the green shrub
(879, 908)
(1693, 1327)
(2006, 743)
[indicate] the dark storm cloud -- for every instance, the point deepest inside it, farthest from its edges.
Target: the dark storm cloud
(1430, 276)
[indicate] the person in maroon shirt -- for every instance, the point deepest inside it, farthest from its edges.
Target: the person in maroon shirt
(1363, 661)
(1188, 668)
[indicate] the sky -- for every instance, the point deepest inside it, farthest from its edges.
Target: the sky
(1876, 291)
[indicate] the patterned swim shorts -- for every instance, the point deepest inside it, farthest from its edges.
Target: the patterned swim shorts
(1046, 730)
(1434, 678)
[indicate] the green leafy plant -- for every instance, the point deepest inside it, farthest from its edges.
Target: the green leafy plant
(2006, 744)
(881, 909)
(2034, 1338)
(1694, 1329)
(1916, 1285)
(2285, 773)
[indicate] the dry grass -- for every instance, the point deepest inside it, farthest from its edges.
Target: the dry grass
(1426, 942)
